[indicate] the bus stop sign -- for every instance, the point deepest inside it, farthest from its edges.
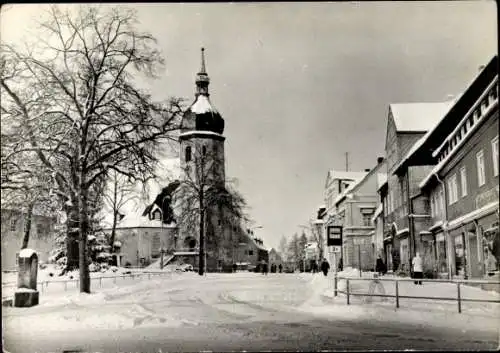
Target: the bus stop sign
(334, 236)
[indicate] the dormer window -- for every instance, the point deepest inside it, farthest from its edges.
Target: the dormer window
(188, 154)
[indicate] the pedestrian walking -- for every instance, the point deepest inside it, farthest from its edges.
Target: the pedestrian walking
(235, 267)
(280, 267)
(380, 267)
(325, 266)
(417, 269)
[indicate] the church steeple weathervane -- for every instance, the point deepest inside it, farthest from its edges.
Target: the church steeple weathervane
(202, 79)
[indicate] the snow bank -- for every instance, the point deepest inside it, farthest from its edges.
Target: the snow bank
(26, 253)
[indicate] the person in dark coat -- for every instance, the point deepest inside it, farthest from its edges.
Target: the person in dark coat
(325, 266)
(235, 267)
(380, 266)
(280, 267)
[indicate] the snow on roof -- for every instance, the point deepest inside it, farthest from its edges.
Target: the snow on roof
(200, 132)
(136, 220)
(342, 175)
(26, 253)
(351, 187)
(415, 117)
(202, 105)
(381, 180)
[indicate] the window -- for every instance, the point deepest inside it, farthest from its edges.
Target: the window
(481, 178)
(250, 252)
(463, 181)
(477, 113)
(13, 225)
(484, 104)
(452, 189)
(494, 153)
(433, 205)
(367, 219)
(204, 150)
(157, 215)
(470, 121)
(188, 153)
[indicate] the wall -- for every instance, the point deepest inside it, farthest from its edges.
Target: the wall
(140, 243)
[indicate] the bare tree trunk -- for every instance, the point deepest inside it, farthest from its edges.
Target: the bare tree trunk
(113, 232)
(27, 229)
(83, 258)
(201, 269)
(115, 215)
(72, 239)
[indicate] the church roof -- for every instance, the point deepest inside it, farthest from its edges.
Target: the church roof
(201, 114)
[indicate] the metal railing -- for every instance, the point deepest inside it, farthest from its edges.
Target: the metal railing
(377, 280)
(45, 284)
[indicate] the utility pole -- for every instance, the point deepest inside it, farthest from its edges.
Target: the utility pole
(347, 161)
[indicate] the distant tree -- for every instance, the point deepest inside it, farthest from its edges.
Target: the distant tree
(119, 192)
(317, 237)
(283, 247)
(74, 98)
(203, 192)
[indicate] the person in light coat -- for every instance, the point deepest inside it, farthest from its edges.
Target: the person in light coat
(418, 272)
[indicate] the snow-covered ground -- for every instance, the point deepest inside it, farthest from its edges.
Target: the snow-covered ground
(185, 298)
(441, 313)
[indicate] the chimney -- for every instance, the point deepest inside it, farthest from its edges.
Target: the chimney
(380, 160)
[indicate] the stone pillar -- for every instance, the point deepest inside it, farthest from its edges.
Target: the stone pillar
(26, 294)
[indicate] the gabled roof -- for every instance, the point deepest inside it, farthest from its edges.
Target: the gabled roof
(356, 184)
(343, 175)
(418, 117)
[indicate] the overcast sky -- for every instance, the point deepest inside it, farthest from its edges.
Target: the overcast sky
(300, 84)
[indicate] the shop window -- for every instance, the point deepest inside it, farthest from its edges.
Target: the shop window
(481, 177)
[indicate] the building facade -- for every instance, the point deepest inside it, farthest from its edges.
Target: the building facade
(462, 185)
(336, 183)
(407, 123)
(355, 208)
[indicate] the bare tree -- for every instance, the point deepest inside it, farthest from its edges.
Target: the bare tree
(283, 247)
(75, 99)
(317, 236)
(25, 183)
(204, 198)
(119, 192)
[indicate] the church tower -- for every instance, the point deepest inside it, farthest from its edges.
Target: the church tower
(202, 162)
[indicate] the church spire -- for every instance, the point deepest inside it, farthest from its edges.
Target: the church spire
(202, 79)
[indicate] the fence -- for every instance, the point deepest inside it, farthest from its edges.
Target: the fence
(43, 285)
(376, 281)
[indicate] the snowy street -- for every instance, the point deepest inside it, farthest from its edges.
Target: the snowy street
(242, 311)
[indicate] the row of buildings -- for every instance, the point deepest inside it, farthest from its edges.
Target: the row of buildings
(436, 192)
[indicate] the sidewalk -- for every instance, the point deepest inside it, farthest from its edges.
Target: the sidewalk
(424, 311)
